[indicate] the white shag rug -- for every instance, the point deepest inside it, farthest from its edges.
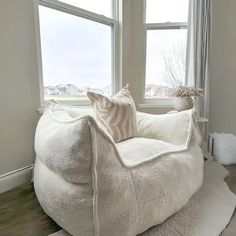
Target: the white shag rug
(207, 213)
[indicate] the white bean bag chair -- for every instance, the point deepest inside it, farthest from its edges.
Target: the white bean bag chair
(92, 186)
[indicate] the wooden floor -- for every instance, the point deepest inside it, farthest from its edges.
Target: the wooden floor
(21, 214)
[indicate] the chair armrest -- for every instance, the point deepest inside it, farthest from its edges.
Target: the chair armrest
(174, 128)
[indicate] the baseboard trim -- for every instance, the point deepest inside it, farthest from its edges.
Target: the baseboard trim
(14, 178)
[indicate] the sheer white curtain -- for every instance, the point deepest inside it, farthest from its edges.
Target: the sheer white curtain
(199, 40)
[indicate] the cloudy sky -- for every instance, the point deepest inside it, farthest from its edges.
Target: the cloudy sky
(78, 51)
(74, 50)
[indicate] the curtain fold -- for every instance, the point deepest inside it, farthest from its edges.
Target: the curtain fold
(198, 51)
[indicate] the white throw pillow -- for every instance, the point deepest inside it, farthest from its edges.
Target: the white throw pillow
(117, 113)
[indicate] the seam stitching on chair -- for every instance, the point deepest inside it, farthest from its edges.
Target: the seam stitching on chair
(94, 182)
(136, 197)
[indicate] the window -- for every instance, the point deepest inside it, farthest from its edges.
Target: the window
(166, 40)
(78, 48)
(102, 7)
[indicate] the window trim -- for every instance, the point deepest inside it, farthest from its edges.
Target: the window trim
(166, 26)
(162, 102)
(73, 10)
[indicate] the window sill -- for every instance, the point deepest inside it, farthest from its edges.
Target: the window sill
(70, 102)
(158, 103)
(74, 103)
(146, 105)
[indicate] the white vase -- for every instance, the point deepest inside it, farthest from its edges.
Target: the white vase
(183, 103)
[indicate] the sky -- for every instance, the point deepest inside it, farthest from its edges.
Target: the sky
(160, 11)
(164, 42)
(78, 51)
(74, 50)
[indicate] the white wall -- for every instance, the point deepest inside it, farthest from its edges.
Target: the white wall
(19, 90)
(223, 67)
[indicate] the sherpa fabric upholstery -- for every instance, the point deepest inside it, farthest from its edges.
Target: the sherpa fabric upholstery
(117, 114)
(89, 185)
(207, 213)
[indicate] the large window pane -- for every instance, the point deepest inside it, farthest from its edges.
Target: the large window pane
(102, 7)
(76, 55)
(165, 61)
(161, 11)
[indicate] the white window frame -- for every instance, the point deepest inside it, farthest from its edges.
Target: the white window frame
(73, 10)
(158, 102)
